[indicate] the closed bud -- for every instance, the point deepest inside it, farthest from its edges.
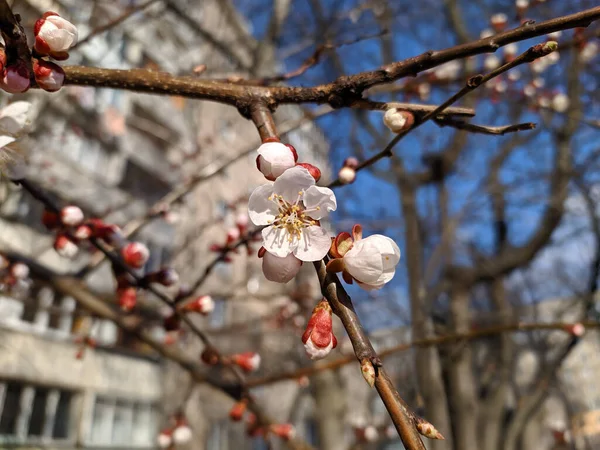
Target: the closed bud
(279, 270)
(48, 76)
(313, 170)
(248, 361)
(182, 434)
(346, 175)
(428, 430)
(285, 431)
(368, 372)
(397, 120)
(371, 434)
(203, 305)
(209, 356)
(127, 298)
(576, 329)
(237, 411)
(274, 158)
(71, 216)
(135, 254)
(54, 36)
(82, 232)
(164, 439)
(15, 78)
(19, 270)
(166, 276)
(233, 235)
(498, 22)
(65, 247)
(318, 338)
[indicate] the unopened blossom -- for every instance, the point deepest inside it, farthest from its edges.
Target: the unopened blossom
(397, 120)
(19, 270)
(54, 35)
(318, 338)
(428, 430)
(182, 433)
(127, 298)
(372, 261)
(370, 433)
(236, 413)
(71, 216)
(65, 247)
(203, 304)
(82, 232)
(291, 208)
(48, 76)
(15, 78)
(280, 270)
(498, 21)
(135, 254)
(165, 439)
(313, 170)
(491, 62)
(560, 103)
(274, 158)
(285, 431)
(248, 361)
(346, 175)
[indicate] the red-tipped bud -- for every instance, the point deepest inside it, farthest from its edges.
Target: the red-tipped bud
(313, 170)
(54, 35)
(135, 254)
(71, 216)
(248, 361)
(165, 438)
(318, 338)
(65, 247)
(241, 222)
(203, 305)
(15, 78)
(294, 152)
(127, 298)
(237, 411)
(233, 235)
(498, 22)
(82, 233)
(351, 162)
(48, 76)
(285, 431)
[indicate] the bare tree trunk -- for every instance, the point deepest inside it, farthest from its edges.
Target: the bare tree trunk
(427, 360)
(330, 407)
(462, 393)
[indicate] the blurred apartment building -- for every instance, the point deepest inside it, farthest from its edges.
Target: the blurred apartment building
(115, 154)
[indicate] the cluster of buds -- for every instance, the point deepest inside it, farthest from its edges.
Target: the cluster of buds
(318, 338)
(179, 433)
(14, 276)
(68, 224)
(371, 261)
(54, 36)
(347, 173)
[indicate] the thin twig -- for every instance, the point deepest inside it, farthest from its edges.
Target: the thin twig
(485, 129)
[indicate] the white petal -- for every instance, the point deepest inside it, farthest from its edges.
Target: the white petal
(260, 209)
(275, 241)
(5, 140)
(291, 182)
(364, 262)
(388, 249)
(322, 197)
(314, 244)
(14, 117)
(280, 270)
(370, 287)
(385, 277)
(315, 352)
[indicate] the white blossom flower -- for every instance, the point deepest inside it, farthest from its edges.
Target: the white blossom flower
(372, 261)
(491, 62)
(54, 35)
(274, 158)
(13, 119)
(292, 207)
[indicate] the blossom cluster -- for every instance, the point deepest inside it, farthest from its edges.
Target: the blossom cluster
(54, 36)
(177, 433)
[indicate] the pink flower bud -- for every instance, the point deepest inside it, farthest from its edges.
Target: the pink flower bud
(82, 233)
(285, 431)
(182, 434)
(248, 361)
(19, 270)
(237, 411)
(233, 235)
(346, 175)
(274, 158)
(65, 247)
(313, 170)
(241, 221)
(71, 216)
(127, 298)
(135, 254)
(49, 76)
(498, 22)
(203, 305)
(318, 338)
(397, 120)
(370, 433)
(15, 79)
(280, 270)
(164, 439)
(576, 329)
(54, 35)
(351, 162)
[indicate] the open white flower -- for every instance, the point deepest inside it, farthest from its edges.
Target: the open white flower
(292, 206)
(372, 261)
(13, 118)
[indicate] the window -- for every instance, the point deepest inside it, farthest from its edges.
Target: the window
(218, 438)
(119, 423)
(31, 413)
